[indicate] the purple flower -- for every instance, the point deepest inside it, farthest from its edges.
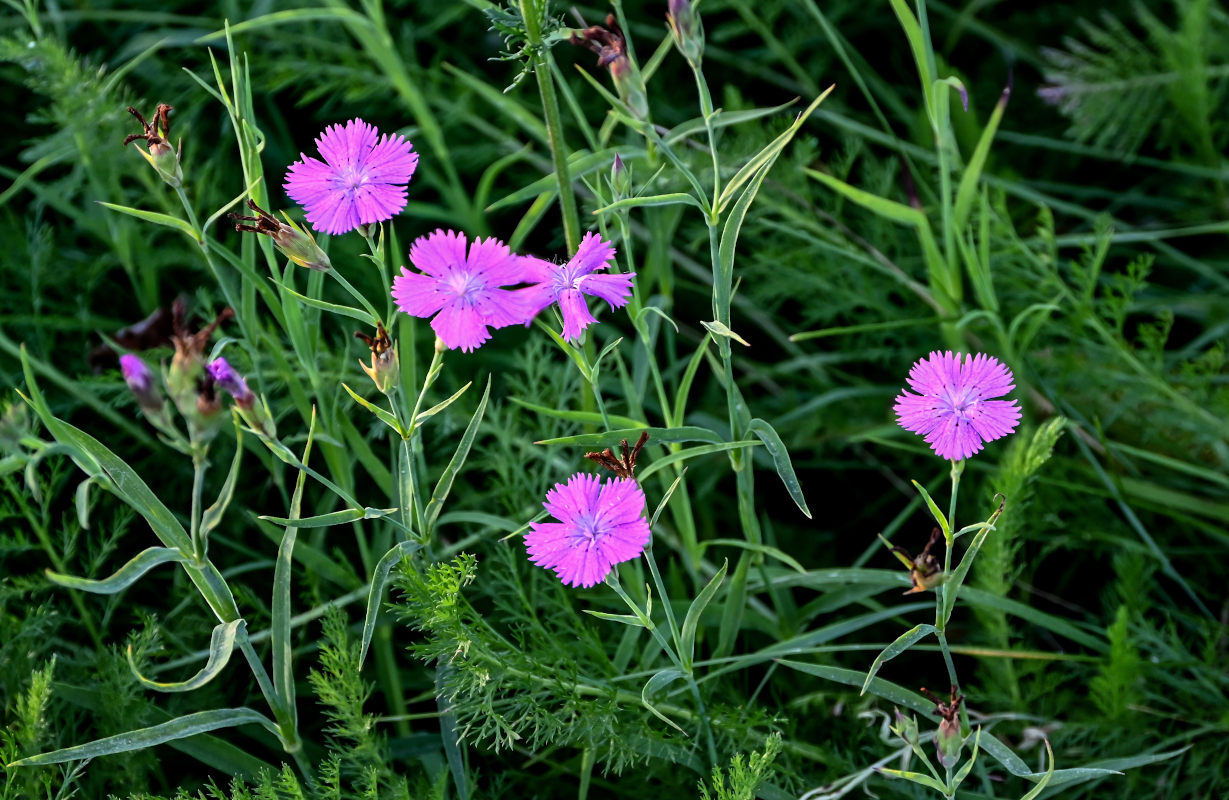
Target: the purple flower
(953, 408)
(362, 179)
(600, 525)
(567, 284)
(463, 290)
(224, 375)
(141, 381)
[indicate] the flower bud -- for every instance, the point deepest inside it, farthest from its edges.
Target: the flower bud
(906, 728)
(686, 29)
(141, 381)
(384, 370)
(630, 86)
(291, 240)
(224, 375)
(620, 179)
(161, 156)
(949, 742)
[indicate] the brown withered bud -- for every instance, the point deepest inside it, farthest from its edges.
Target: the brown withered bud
(622, 466)
(292, 241)
(384, 370)
(188, 363)
(157, 135)
(948, 740)
(925, 573)
(611, 47)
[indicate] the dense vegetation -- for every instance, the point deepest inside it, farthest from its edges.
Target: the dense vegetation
(1045, 185)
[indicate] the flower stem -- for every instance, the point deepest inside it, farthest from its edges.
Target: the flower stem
(531, 12)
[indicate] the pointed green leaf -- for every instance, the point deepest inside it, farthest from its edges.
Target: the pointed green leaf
(221, 645)
(1041, 784)
(444, 485)
(82, 498)
(687, 433)
(692, 621)
(665, 498)
(692, 452)
(902, 643)
(345, 311)
(625, 619)
(179, 728)
(379, 581)
(346, 515)
(721, 329)
(780, 457)
(126, 575)
(660, 681)
(771, 552)
(154, 217)
(213, 515)
(438, 407)
(951, 587)
(973, 170)
(915, 777)
(939, 516)
(384, 416)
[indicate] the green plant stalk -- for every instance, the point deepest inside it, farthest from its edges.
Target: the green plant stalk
(941, 596)
(199, 465)
(530, 10)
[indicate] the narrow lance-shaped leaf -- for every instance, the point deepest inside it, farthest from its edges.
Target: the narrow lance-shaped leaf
(902, 643)
(660, 681)
(692, 621)
(444, 485)
(213, 515)
(126, 575)
(379, 581)
(221, 645)
(283, 652)
(179, 728)
(780, 458)
(951, 587)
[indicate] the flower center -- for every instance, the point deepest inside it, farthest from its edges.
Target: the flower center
(464, 284)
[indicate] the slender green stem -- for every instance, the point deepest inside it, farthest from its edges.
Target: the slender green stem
(531, 12)
(199, 466)
(613, 582)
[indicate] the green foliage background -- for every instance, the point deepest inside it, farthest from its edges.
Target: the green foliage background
(1094, 616)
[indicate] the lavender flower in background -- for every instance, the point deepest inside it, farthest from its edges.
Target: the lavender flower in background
(953, 407)
(463, 290)
(567, 284)
(140, 380)
(600, 525)
(224, 375)
(362, 179)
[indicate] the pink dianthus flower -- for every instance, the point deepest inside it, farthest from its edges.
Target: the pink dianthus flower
(567, 284)
(599, 525)
(954, 406)
(463, 290)
(362, 179)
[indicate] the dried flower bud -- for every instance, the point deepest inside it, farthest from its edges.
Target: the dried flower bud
(140, 380)
(687, 31)
(611, 47)
(157, 135)
(949, 742)
(384, 370)
(291, 240)
(188, 364)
